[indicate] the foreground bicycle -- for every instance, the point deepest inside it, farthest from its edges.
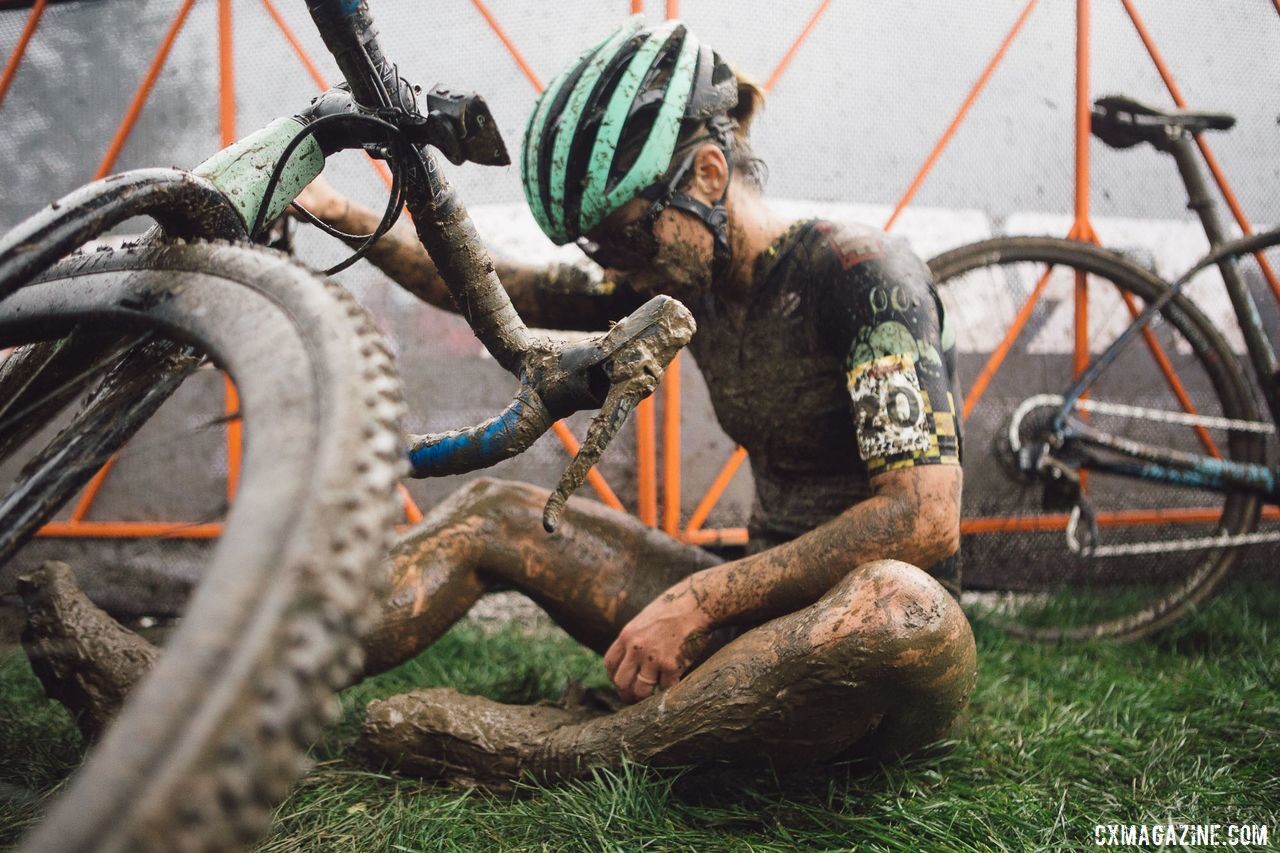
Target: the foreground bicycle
(214, 735)
(1128, 486)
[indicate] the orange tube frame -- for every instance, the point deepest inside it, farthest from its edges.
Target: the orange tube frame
(646, 463)
(795, 45)
(968, 102)
(76, 525)
(997, 356)
(144, 91)
(305, 58)
(671, 448)
(20, 49)
(1053, 522)
(1212, 162)
(507, 43)
(717, 488)
(227, 131)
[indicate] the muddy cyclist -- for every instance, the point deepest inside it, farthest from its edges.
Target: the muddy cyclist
(827, 355)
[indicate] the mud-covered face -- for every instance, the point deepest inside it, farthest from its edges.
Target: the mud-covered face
(655, 249)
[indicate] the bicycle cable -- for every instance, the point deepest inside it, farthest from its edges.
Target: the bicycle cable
(325, 227)
(394, 203)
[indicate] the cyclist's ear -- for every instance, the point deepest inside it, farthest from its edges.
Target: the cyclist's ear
(710, 173)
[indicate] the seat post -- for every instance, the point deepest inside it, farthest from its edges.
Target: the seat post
(1261, 352)
(1198, 197)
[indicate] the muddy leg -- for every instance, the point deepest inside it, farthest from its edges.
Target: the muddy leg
(84, 658)
(595, 573)
(885, 661)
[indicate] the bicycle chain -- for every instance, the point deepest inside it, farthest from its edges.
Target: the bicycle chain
(1222, 540)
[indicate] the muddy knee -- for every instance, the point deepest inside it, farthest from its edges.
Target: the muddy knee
(917, 640)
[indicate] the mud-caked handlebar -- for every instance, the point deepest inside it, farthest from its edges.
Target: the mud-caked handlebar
(611, 372)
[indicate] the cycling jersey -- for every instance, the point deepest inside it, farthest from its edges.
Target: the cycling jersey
(842, 367)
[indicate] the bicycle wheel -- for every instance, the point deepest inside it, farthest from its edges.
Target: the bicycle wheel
(212, 737)
(1016, 304)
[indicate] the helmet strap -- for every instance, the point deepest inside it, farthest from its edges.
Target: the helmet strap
(716, 217)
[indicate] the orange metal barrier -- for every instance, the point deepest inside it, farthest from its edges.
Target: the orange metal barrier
(128, 530)
(1227, 194)
(671, 448)
(1082, 229)
(646, 462)
(507, 43)
(20, 49)
(997, 357)
(144, 92)
(795, 46)
(718, 485)
(281, 24)
(1057, 521)
(227, 132)
(981, 84)
(76, 525)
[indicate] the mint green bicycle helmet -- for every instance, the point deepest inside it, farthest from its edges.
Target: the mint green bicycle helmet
(606, 129)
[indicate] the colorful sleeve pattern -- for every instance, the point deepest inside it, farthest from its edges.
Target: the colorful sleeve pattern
(885, 319)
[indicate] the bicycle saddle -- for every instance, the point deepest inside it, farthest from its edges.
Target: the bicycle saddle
(1122, 122)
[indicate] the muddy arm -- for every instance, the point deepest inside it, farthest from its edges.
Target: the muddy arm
(914, 516)
(557, 296)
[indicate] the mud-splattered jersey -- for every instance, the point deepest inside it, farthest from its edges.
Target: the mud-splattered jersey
(842, 367)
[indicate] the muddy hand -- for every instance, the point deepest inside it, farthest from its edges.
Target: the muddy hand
(655, 648)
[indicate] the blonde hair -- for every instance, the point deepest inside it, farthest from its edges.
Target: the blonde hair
(742, 155)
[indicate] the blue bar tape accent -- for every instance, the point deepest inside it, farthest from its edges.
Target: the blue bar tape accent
(486, 447)
(349, 7)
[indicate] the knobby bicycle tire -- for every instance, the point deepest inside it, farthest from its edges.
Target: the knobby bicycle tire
(214, 735)
(1239, 513)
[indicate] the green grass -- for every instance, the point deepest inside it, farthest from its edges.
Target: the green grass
(1185, 727)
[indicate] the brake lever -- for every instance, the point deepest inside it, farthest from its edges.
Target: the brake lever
(633, 357)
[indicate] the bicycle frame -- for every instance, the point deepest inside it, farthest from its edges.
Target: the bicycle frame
(242, 170)
(1162, 465)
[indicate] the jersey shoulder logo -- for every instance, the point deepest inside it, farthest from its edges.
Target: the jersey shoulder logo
(889, 409)
(851, 246)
